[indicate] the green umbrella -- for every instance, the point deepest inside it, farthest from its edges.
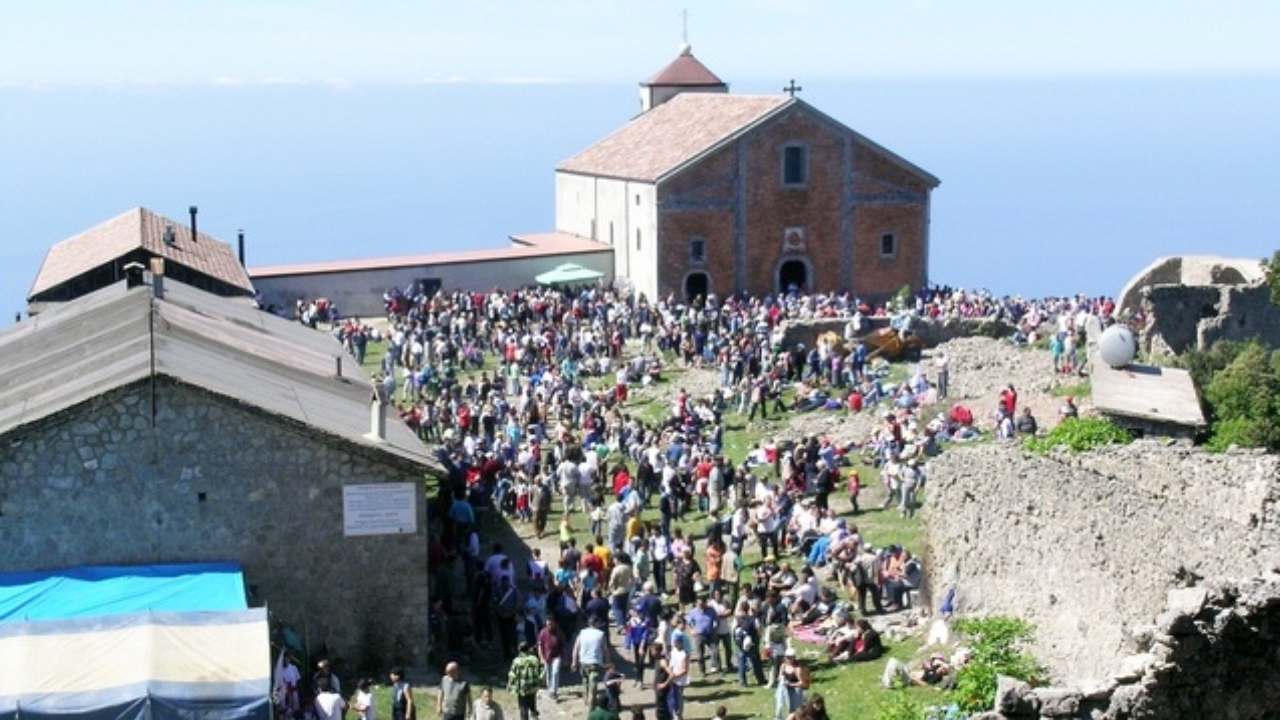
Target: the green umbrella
(568, 273)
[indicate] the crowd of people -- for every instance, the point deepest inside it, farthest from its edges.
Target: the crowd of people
(526, 395)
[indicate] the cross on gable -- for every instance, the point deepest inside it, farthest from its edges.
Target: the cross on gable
(792, 88)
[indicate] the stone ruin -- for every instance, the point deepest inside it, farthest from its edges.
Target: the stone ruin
(1151, 573)
(1191, 302)
(1213, 653)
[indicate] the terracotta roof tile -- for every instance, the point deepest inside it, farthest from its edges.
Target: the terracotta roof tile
(129, 231)
(523, 246)
(684, 70)
(671, 134)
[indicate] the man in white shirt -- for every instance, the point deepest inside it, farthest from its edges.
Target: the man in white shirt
(329, 704)
(679, 663)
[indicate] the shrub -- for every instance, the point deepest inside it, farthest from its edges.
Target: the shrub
(998, 649)
(1203, 364)
(1272, 267)
(1080, 434)
(903, 298)
(1244, 400)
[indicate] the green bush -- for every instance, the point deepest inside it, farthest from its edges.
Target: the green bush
(902, 298)
(899, 706)
(1080, 434)
(1273, 275)
(1204, 364)
(998, 645)
(1244, 400)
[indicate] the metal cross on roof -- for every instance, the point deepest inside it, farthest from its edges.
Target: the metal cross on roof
(792, 88)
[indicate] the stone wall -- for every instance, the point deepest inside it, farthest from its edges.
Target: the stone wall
(1184, 317)
(215, 480)
(1087, 546)
(933, 332)
(1212, 653)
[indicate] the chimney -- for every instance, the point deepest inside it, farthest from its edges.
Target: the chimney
(240, 241)
(157, 277)
(193, 209)
(377, 416)
(133, 274)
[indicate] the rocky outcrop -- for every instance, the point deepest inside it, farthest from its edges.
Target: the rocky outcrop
(1214, 652)
(1088, 546)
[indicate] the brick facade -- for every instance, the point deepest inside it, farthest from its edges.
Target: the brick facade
(853, 194)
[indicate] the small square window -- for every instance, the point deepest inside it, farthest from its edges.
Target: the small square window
(794, 165)
(698, 250)
(888, 245)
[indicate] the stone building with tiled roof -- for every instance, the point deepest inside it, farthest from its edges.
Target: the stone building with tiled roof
(706, 191)
(97, 257)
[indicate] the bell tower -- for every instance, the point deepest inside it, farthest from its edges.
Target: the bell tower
(684, 74)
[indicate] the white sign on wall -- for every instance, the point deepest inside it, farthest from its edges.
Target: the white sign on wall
(379, 509)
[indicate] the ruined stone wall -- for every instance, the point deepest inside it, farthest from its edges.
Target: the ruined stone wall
(1087, 546)
(215, 480)
(1214, 652)
(1186, 317)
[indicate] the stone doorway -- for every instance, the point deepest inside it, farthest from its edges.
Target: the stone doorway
(696, 284)
(793, 274)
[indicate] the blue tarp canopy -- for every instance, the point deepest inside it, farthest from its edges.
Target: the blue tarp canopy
(169, 642)
(116, 589)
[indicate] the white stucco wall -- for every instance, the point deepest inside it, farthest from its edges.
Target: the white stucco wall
(642, 209)
(619, 208)
(359, 292)
(575, 203)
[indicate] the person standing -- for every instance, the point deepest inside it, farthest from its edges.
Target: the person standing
(524, 680)
(661, 682)
(551, 652)
(746, 635)
(679, 667)
(793, 680)
(507, 607)
(541, 506)
(401, 696)
(329, 704)
(944, 375)
(590, 652)
(454, 700)
(363, 702)
(486, 708)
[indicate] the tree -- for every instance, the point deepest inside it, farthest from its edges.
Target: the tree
(1244, 398)
(1272, 267)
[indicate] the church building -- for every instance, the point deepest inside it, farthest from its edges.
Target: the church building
(703, 191)
(707, 191)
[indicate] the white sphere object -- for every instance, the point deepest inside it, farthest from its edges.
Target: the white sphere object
(1117, 346)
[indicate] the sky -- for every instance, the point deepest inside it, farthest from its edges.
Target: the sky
(1076, 142)
(91, 42)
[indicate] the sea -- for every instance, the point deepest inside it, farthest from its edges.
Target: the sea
(1050, 186)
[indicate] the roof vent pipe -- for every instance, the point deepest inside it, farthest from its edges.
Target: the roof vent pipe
(240, 242)
(193, 209)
